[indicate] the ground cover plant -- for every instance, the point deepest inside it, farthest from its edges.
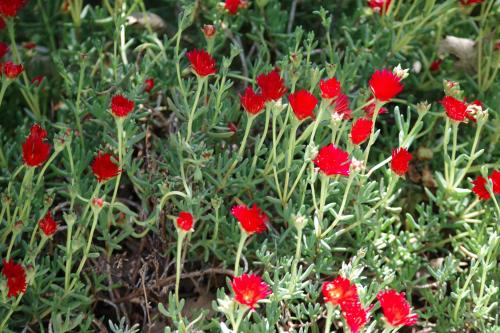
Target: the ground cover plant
(249, 166)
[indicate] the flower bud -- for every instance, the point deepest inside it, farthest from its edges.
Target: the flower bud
(311, 152)
(209, 31)
(299, 221)
(400, 72)
(357, 165)
(423, 107)
(69, 218)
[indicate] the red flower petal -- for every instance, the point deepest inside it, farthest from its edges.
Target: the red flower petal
(397, 310)
(330, 88)
(9, 8)
(232, 6)
(4, 48)
(340, 291)
(35, 150)
(400, 161)
(303, 104)
(342, 106)
(252, 220)
(121, 106)
(480, 188)
(333, 161)
(380, 6)
(385, 85)
(361, 130)
(16, 277)
(149, 84)
(103, 168)
(249, 289)
(455, 109)
(11, 70)
(252, 103)
(185, 221)
(355, 316)
(201, 62)
(272, 85)
(48, 225)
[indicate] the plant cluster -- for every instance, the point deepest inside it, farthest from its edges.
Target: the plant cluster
(266, 166)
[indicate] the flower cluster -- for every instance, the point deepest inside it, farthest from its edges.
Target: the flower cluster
(342, 292)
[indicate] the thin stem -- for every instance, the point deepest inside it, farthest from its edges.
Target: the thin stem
(193, 109)
(69, 255)
(453, 154)
(178, 264)
(471, 155)
(329, 315)
(296, 259)
(342, 206)
(243, 238)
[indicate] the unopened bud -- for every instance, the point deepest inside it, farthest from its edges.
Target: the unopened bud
(209, 31)
(299, 221)
(400, 72)
(357, 165)
(311, 152)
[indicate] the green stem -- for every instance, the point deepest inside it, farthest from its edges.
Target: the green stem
(243, 238)
(178, 264)
(342, 206)
(378, 106)
(329, 314)
(471, 155)
(296, 259)
(193, 109)
(5, 84)
(119, 132)
(290, 153)
(453, 155)
(322, 197)
(446, 140)
(69, 255)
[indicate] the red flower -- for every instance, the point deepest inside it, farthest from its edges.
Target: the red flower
(272, 85)
(342, 106)
(330, 88)
(29, 45)
(4, 48)
(480, 185)
(185, 221)
(340, 291)
(252, 220)
(249, 289)
(370, 108)
(400, 161)
(303, 104)
(121, 106)
(103, 168)
(436, 65)
(480, 188)
(149, 84)
(201, 62)
(35, 150)
(379, 6)
(252, 103)
(232, 127)
(209, 30)
(495, 178)
(37, 80)
(470, 2)
(232, 6)
(16, 277)
(10, 8)
(11, 70)
(355, 316)
(361, 130)
(397, 310)
(48, 225)
(455, 109)
(333, 161)
(385, 85)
